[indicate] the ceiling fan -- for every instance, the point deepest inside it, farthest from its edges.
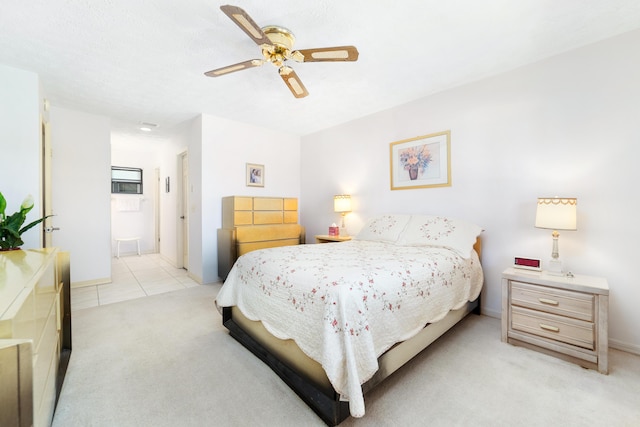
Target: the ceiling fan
(276, 44)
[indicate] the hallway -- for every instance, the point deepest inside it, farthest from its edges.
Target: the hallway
(132, 277)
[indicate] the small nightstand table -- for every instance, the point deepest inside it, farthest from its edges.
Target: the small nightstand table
(566, 317)
(325, 238)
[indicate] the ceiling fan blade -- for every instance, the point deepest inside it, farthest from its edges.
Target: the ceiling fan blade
(244, 21)
(339, 53)
(293, 82)
(235, 67)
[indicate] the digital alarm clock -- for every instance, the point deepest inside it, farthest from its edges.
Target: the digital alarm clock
(527, 263)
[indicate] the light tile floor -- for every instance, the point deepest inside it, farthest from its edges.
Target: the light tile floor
(132, 277)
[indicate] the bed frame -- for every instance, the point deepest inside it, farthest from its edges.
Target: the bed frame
(307, 377)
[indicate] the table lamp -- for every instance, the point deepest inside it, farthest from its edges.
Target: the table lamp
(342, 205)
(555, 213)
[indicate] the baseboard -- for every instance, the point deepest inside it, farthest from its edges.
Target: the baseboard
(624, 346)
(93, 282)
(491, 313)
(194, 277)
(170, 261)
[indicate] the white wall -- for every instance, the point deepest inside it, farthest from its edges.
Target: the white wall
(170, 152)
(140, 223)
(566, 126)
(20, 170)
(194, 215)
(219, 169)
(81, 179)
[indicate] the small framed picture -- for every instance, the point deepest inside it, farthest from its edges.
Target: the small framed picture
(421, 162)
(255, 175)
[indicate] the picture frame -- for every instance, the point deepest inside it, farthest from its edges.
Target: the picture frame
(255, 175)
(421, 162)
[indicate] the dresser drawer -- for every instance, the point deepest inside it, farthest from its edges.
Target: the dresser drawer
(558, 328)
(556, 301)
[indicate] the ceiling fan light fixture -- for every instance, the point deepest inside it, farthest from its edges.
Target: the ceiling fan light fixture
(276, 44)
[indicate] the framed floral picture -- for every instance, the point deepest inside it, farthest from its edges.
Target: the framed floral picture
(255, 175)
(421, 162)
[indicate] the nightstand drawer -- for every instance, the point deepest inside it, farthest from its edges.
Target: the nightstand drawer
(556, 301)
(563, 329)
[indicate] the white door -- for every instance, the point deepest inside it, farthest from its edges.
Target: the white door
(184, 214)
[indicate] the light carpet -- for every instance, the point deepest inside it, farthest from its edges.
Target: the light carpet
(166, 360)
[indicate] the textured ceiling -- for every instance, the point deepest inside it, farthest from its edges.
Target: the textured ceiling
(143, 60)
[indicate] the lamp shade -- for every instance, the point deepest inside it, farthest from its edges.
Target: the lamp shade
(342, 203)
(556, 213)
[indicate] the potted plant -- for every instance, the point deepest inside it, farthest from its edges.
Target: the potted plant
(11, 228)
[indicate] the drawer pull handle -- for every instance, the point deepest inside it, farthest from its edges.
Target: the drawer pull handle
(549, 328)
(548, 301)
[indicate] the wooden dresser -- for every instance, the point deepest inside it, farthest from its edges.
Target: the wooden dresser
(566, 317)
(35, 326)
(250, 223)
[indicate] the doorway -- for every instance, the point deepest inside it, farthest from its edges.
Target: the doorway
(164, 205)
(134, 195)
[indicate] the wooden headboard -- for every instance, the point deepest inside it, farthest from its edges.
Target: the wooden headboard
(477, 246)
(250, 223)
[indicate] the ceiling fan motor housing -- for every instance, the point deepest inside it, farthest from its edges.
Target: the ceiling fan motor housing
(282, 40)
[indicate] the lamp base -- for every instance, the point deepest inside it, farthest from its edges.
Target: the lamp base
(555, 267)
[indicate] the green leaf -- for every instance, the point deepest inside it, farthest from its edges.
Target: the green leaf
(33, 224)
(9, 238)
(3, 206)
(13, 222)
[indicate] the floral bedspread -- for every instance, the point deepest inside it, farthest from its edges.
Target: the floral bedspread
(345, 304)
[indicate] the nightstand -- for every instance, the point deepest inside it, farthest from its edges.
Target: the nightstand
(325, 238)
(567, 317)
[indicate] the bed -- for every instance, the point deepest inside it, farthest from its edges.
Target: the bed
(333, 320)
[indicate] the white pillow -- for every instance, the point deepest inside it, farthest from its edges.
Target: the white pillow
(385, 228)
(455, 234)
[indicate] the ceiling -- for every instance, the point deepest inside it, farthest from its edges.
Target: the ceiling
(144, 60)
